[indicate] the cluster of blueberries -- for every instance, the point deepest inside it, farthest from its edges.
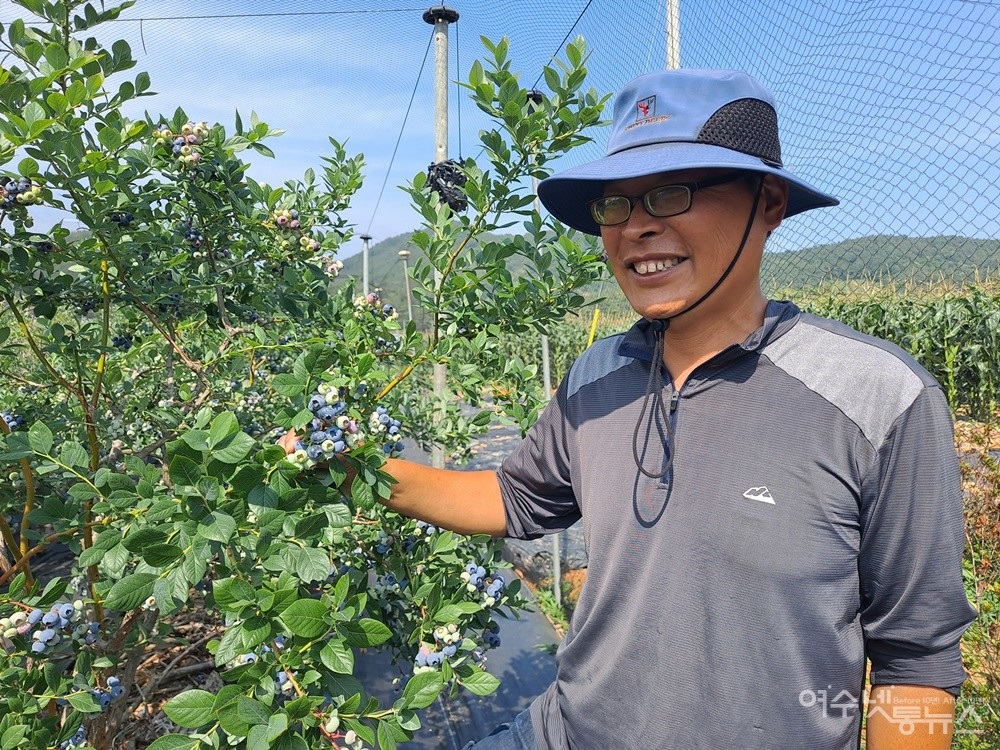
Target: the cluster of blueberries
(192, 235)
(104, 697)
(122, 218)
(477, 579)
(333, 432)
(289, 226)
(14, 421)
(121, 341)
(373, 305)
(446, 641)
(19, 192)
(184, 145)
(282, 683)
(49, 629)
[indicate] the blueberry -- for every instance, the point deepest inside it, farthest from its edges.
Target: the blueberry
(316, 403)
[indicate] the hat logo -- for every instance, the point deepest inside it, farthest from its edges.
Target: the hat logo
(645, 107)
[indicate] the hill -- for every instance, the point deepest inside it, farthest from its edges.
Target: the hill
(893, 260)
(885, 259)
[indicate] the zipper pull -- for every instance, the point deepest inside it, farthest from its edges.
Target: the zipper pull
(673, 401)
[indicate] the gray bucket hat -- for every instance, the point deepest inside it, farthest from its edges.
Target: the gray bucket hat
(681, 119)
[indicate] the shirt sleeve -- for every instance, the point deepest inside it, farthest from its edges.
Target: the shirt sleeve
(536, 479)
(913, 603)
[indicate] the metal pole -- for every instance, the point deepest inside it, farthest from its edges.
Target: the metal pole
(404, 254)
(440, 17)
(534, 99)
(364, 264)
(673, 34)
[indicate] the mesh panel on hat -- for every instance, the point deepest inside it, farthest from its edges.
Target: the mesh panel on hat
(746, 125)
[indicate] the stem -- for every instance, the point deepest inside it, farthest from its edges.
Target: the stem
(19, 550)
(401, 377)
(22, 563)
(105, 333)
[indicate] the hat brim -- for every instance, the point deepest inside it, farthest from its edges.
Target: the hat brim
(566, 195)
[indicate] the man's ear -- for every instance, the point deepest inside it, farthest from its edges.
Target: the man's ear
(774, 201)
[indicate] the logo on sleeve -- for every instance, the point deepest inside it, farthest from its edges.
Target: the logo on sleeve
(759, 493)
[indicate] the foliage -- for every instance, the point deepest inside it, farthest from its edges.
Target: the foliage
(888, 260)
(150, 361)
(980, 448)
(954, 335)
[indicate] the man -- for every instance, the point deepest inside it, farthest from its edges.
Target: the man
(768, 497)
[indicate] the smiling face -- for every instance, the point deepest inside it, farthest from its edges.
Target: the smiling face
(665, 265)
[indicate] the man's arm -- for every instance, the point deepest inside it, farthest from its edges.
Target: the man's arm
(890, 707)
(467, 502)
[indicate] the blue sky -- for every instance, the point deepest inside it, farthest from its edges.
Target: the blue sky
(891, 105)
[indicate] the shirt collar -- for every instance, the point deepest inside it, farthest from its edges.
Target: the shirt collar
(779, 317)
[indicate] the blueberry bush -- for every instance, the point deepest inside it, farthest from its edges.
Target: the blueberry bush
(152, 357)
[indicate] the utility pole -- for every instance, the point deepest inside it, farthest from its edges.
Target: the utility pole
(440, 17)
(673, 34)
(534, 100)
(405, 254)
(366, 238)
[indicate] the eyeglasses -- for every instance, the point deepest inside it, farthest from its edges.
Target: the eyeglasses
(663, 201)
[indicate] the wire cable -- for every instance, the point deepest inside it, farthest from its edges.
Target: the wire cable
(263, 15)
(399, 138)
(563, 42)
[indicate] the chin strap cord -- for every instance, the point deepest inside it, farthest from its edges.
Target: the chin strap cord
(654, 385)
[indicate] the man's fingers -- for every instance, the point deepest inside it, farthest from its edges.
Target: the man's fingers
(288, 441)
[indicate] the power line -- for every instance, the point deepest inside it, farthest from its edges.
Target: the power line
(563, 42)
(263, 15)
(402, 127)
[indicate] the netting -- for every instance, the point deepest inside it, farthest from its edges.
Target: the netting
(891, 105)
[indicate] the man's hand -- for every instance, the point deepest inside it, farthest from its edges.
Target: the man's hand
(909, 717)
(288, 441)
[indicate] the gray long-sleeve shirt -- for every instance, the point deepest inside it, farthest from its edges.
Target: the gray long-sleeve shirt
(812, 517)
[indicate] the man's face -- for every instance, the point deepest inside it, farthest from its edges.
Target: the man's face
(664, 265)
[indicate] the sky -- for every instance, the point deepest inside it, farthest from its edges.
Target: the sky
(892, 105)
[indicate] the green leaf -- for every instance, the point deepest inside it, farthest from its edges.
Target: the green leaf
(110, 138)
(27, 167)
(231, 591)
(288, 385)
(73, 454)
(262, 497)
(337, 657)
(306, 618)
(161, 555)
(84, 702)
(233, 449)
(242, 638)
(130, 591)
(480, 683)
(191, 709)
(386, 736)
(40, 438)
(312, 564)
(184, 471)
(222, 427)
(422, 690)
(142, 538)
(365, 633)
(252, 712)
(197, 439)
(217, 527)
(175, 742)
(452, 612)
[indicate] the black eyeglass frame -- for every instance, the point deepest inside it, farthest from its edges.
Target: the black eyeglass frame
(691, 187)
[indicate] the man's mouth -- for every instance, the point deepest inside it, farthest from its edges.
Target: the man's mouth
(644, 268)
